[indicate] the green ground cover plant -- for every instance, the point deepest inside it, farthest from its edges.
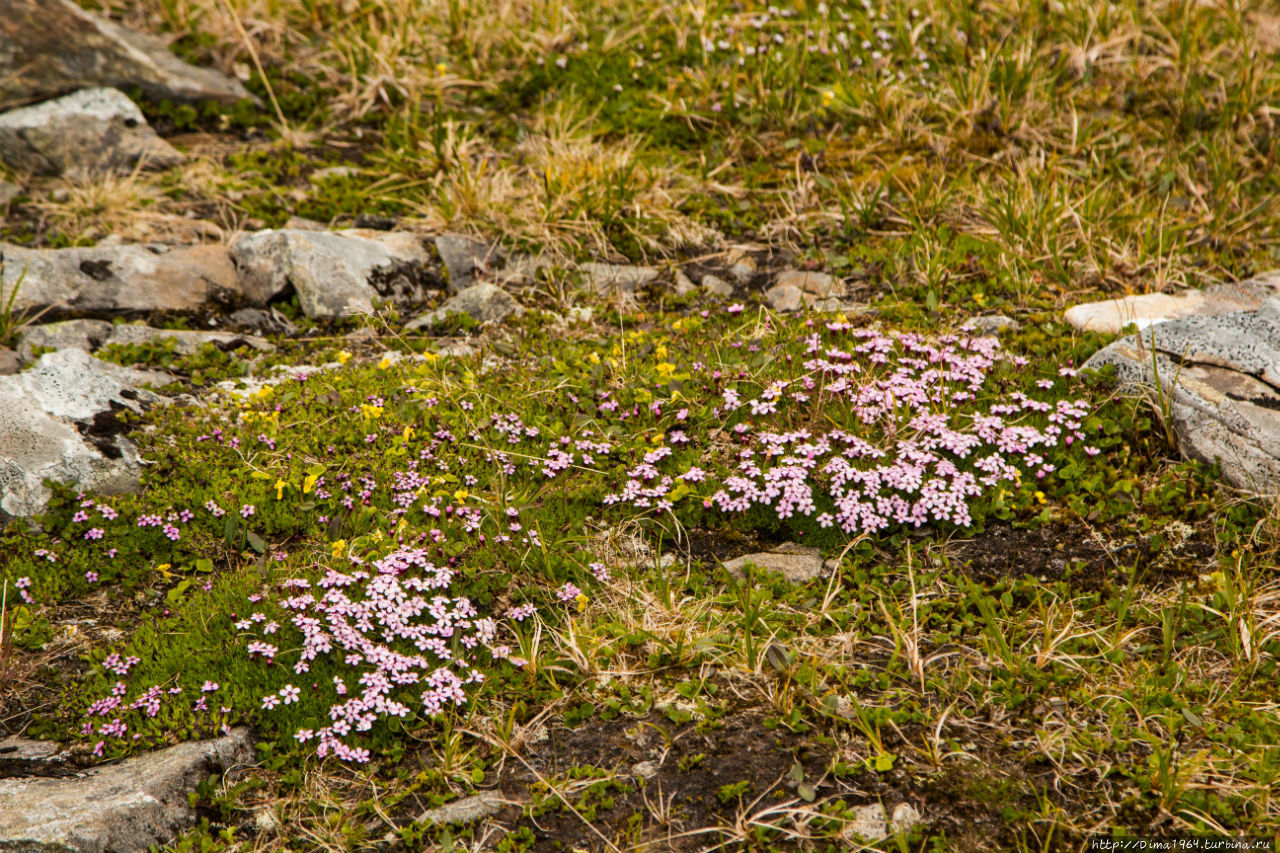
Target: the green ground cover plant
(418, 575)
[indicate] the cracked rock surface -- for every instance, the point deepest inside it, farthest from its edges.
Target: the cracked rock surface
(114, 808)
(1220, 378)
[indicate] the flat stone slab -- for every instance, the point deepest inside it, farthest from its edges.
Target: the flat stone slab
(1220, 376)
(92, 335)
(89, 131)
(57, 423)
(797, 563)
(129, 279)
(1110, 316)
(122, 807)
(52, 47)
(335, 273)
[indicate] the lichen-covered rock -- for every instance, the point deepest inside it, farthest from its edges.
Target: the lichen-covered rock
(132, 279)
(93, 130)
(57, 422)
(51, 47)
(1219, 379)
(335, 273)
(117, 808)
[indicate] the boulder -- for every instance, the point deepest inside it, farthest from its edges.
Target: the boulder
(1109, 316)
(93, 130)
(52, 47)
(797, 563)
(132, 805)
(616, 278)
(484, 303)
(115, 279)
(334, 273)
(58, 421)
(1216, 380)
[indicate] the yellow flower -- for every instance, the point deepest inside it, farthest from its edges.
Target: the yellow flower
(281, 485)
(581, 600)
(384, 364)
(441, 68)
(338, 547)
(666, 368)
(828, 97)
(309, 483)
(594, 358)
(371, 412)
(461, 495)
(1040, 497)
(408, 432)
(344, 357)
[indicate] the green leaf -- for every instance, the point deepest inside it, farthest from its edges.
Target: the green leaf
(884, 761)
(256, 542)
(806, 792)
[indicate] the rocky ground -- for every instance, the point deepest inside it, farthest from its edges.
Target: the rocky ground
(629, 525)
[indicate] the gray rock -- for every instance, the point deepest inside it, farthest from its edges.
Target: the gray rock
(8, 192)
(991, 325)
(465, 810)
(1219, 377)
(90, 131)
(617, 278)
(117, 279)
(118, 807)
(335, 273)
(9, 362)
(785, 297)
(86, 335)
(463, 257)
(1111, 315)
(483, 302)
(817, 284)
(684, 285)
(797, 563)
(40, 413)
(270, 321)
(716, 286)
(52, 47)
